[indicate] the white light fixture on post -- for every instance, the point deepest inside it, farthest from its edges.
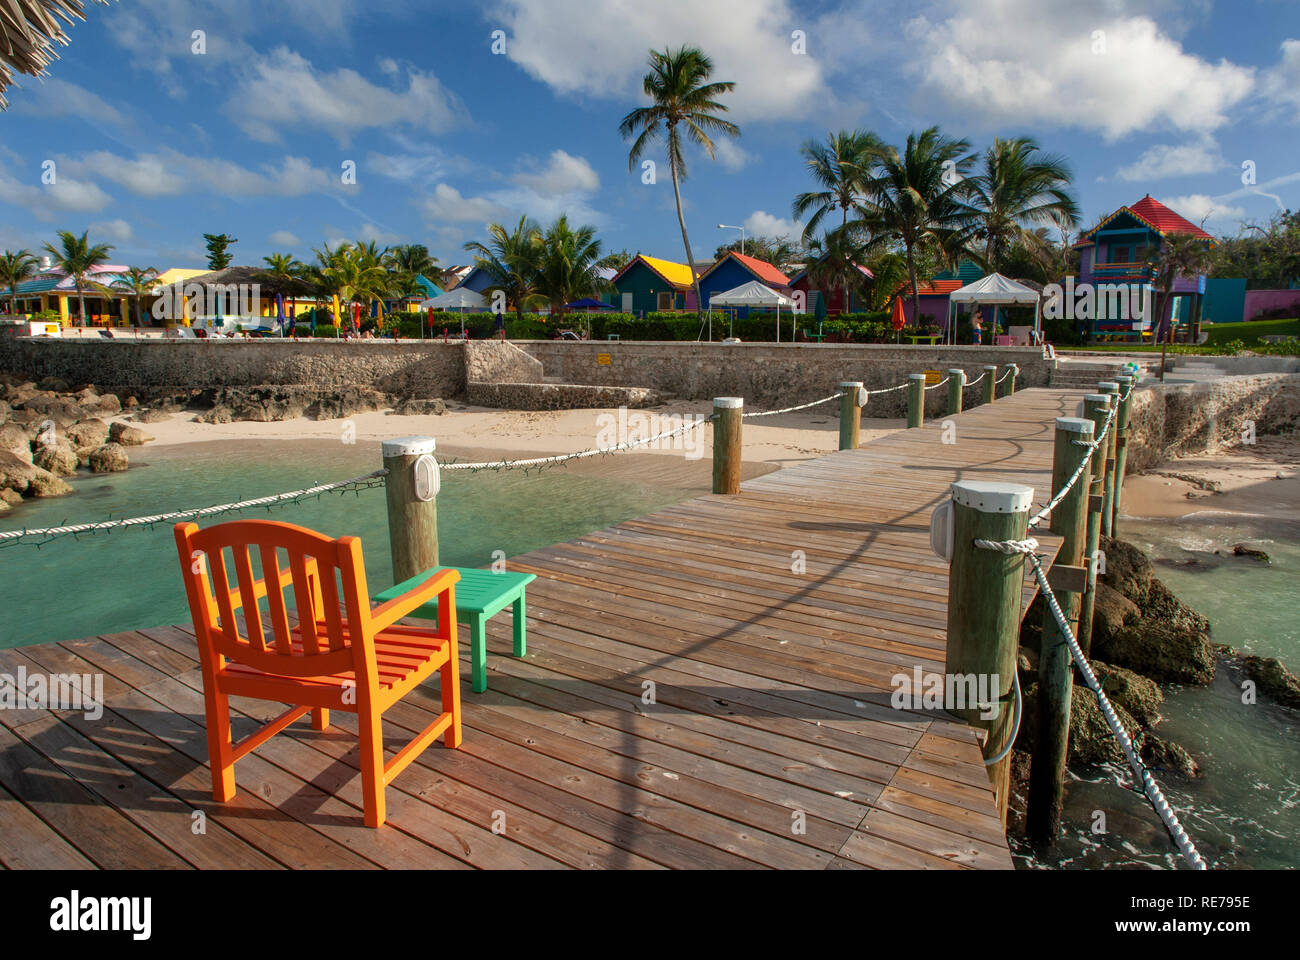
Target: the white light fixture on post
(724, 226)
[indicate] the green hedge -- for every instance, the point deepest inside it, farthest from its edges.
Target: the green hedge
(326, 331)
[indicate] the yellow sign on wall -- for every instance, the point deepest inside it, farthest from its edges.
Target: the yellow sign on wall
(604, 359)
(931, 377)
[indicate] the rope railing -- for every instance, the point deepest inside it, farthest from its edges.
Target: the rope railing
(44, 535)
(1093, 446)
(1150, 788)
(936, 386)
(802, 406)
(971, 383)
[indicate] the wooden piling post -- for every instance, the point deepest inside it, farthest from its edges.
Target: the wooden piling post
(1111, 389)
(1121, 448)
(1012, 373)
(915, 400)
(956, 384)
(1055, 673)
(850, 415)
(990, 384)
(412, 521)
(984, 594)
(728, 413)
(1096, 407)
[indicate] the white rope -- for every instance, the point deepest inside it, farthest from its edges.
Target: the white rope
(872, 393)
(564, 457)
(971, 383)
(1010, 371)
(1149, 785)
(802, 406)
(190, 514)
(1093, 446)
(936, 386)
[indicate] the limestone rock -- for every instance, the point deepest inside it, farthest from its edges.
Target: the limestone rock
(87, 433)
(1162, 651)
(1165, 756)
(13, 439)
(1161, 606)
(1274, 680)
(127, 435)
(1127, 569)
(106, 406)
(1111, 612)
(345, 402)
(220, 414)
(59, 458)
(16, 473)
(420, 408)
(1138, 695)
(152, 415)
(1091, 739)
(11, 497)
(110, 458)
(62, 411)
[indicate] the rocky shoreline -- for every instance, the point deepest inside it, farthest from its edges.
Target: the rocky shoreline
(1144, 638)
(50, 430)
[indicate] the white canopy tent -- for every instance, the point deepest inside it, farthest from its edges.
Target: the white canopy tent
(994, 290)
(460, 300)
(753, 294)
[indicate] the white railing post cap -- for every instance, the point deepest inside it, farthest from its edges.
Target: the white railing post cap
(1108, 386)
(728, 403)
(1075, 425)
(916, 376)
(1102, 398)
(850, 383)
(993, 497)
(409, 446)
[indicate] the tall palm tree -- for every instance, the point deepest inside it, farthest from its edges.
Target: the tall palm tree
(835, 259)
(1019, 188)
(683, 104)
(840, 166)
(1181, 255)
(139, 282)
(412, 258)
(14, 269)
(919, 200)
(76, 257)
(512, 258)
(567, 270)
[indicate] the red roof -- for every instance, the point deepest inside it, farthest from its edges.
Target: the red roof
(1156, 216)
(1165, 220)
(761, 269)
(933, 288)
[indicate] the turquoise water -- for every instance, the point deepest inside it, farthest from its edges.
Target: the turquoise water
(1244, 810)
(69, 589)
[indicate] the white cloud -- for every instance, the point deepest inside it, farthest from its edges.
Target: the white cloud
(760, 223)
(1035, 62)
(579, 49)
(283, 91)
(730, 154)
(370, 233)
(283, 238)
(1165, 160)
(54, 97)
(171, 173)
(118, 230)
(448, 204)
(563, 174)
(1198, 208)
(1281, 84)
(66, 195)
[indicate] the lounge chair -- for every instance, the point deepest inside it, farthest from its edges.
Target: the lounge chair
(341, 654)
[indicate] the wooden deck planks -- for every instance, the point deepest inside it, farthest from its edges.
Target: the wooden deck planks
(769, 740)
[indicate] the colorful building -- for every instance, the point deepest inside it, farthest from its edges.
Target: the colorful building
(1123, 249)
(53, 290)
(648, 284)
(736, 269)
(834, 297)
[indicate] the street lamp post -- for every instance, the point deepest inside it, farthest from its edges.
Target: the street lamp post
(724, 226)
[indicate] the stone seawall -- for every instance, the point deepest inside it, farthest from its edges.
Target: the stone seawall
(1179, 420)
(428, 369)
(770, 376)
(555, 396)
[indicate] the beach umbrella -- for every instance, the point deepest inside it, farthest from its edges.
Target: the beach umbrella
(898, 320)
(279, 312)
(337, 321)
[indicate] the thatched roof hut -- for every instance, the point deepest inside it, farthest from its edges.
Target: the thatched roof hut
(28, 31)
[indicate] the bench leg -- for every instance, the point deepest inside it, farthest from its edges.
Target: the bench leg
(478, 652)
(521, 625)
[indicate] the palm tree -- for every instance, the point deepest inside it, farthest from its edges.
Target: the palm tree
(567, 270)
(1181, 255)
(412, 258)
(76, 257)
(14, 269)
(513, 260)
(139, 282)
(920, 200)
(683, 99)
(834, 263)
(284, 273)
(1018, 189)
(29, 30)
(840, 166)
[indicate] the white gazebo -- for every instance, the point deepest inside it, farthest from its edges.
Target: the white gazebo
(460, 300)
(994, 290)
(753, 294)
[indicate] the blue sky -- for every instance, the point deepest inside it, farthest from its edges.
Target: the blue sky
(153, 144)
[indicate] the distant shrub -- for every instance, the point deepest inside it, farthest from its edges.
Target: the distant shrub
(325, 331)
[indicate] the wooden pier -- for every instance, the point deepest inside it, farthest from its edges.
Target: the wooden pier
(705, 687)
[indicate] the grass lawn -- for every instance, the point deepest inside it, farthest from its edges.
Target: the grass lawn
(1249, 332)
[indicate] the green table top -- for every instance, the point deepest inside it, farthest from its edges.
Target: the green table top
(477, 591)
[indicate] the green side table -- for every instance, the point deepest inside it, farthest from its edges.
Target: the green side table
(480, 595)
